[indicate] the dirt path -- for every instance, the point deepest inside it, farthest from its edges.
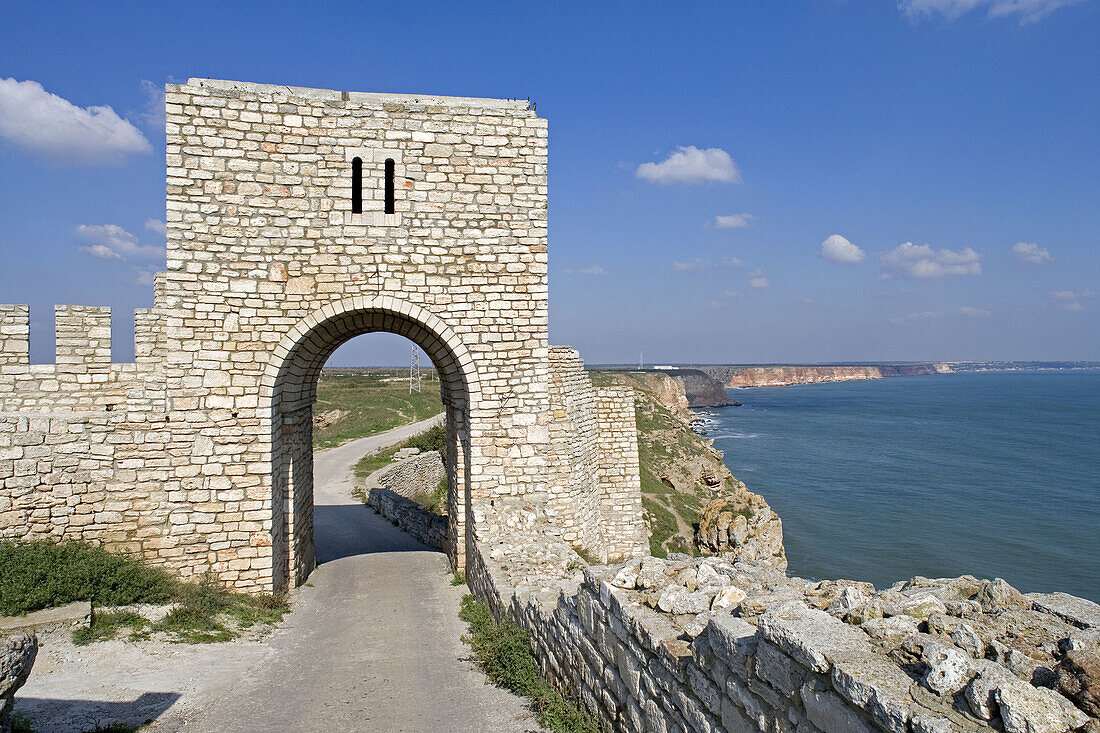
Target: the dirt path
(373, 644)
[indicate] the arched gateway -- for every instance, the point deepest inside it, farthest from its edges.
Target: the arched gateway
(297, 219)
(290, 382)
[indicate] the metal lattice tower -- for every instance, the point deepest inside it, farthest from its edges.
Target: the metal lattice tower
(414, 370)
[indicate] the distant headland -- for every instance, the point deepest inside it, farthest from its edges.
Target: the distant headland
(706, 384)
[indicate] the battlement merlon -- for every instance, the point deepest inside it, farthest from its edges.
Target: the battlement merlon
(15, 335)
(83, 338)
(333, 95)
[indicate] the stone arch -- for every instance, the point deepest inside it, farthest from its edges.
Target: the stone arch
(289, 385)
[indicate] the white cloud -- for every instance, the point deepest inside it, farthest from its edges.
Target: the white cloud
(733, 221)
(838, 249)
(1070, 300)
(590, 270)
(158, 226)
(924, 316)
(154, 113)
(692, 165)
(1030, 253)
(1028, 11)
(101, 251)
(884, 294)
(145, 277)
(724, 297)
(35, 120)
(110, 241)
(923, 263)
(700, 264)
(697, 264)
(1070, 294)
(757, 279)
(969, 310)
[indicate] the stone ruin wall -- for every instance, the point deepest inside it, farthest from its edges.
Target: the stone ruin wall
(408, 477)
(197, 454)
(767, 657)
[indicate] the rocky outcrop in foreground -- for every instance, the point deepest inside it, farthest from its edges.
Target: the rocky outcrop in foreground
(718, 643)
(17, 653)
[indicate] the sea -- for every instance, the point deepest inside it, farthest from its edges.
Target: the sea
(993, 474)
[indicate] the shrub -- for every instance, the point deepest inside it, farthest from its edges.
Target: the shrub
(41, 574)
(434, 438)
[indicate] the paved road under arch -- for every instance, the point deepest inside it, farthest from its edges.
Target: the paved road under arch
(373, 643)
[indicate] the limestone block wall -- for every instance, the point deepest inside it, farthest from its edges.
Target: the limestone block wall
(198, 454)
(595, 489)
(269, 270)
(573, 459)
(625, 534)
(431, 529)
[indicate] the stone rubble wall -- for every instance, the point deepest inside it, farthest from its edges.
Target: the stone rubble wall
(429, 528)
(714, 645)
(413, 476)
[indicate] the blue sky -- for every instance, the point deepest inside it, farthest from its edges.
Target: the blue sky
(966, 128)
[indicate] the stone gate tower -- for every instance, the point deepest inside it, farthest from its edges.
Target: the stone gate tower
(297, 219)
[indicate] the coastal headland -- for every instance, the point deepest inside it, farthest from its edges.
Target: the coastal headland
(782, 375)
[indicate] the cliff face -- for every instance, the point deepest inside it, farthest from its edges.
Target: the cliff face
(703, 390)
(781, 376)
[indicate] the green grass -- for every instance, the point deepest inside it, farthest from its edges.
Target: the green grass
(434, 438)
(503, 651)
(458, 579)
(662, 525)
(372, 403)
(42, 574)
(20, 724)
(371, 462)
(108, 625)
(434, 501)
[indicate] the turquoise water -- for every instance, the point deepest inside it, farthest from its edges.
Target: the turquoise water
(994, 474)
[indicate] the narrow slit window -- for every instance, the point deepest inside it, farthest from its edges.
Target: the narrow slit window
(357, 186)
(389, 185)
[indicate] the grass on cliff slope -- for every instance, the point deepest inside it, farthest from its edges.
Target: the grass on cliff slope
(503, 652)
(373, 400)
(43, 574)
